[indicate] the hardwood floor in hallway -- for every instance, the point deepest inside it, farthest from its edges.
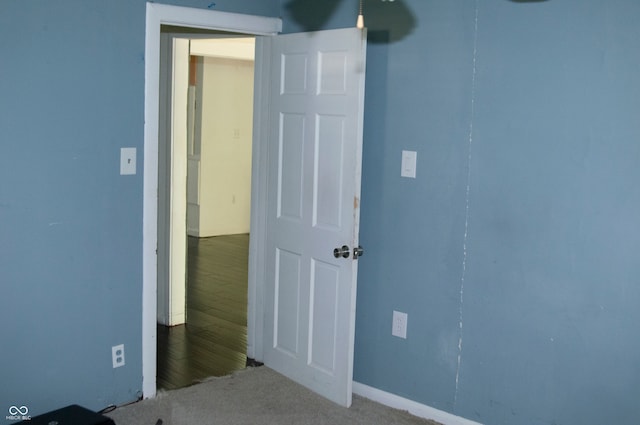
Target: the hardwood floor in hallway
(214, 340)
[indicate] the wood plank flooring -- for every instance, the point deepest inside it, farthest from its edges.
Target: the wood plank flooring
(214, 340)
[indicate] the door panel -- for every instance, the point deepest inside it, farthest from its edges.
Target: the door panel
(328, 172)
(290, 166)
(325, 285)
(286, 302)
(315, 139)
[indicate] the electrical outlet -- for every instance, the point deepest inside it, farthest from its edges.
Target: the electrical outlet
(117, 355)
(399, 325)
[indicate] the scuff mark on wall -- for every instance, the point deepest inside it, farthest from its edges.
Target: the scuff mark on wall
(466, 220)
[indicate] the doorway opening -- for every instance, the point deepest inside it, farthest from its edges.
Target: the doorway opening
(203, 331)
(301, 295)
(192, 20)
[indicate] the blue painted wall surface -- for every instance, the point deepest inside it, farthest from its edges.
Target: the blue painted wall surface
(521, 225)
(550, 302)
(71, 95)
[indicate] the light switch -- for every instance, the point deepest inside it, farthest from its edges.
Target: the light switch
(127, 161)
(409, 159)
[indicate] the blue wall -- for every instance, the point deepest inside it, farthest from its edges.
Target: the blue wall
(522, 223)
(550, 307)
(71, 95)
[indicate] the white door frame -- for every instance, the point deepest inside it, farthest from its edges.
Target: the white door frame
(172, 243)
(157, 15)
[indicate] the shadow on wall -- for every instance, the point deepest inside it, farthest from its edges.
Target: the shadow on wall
(312, 15)
(392, 17)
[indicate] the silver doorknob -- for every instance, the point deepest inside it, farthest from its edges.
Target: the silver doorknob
(358, 252)
(341, 252)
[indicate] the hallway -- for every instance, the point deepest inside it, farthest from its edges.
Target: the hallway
(214, 340)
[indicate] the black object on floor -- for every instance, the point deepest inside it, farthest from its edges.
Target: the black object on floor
(253, 362)
(70, 415)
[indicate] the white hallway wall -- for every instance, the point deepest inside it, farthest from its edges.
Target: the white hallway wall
(226, 115)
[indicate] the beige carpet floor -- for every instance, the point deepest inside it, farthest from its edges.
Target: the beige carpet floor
(255, 396)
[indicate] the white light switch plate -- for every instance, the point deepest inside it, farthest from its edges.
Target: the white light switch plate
(409, 160)
(127, 161)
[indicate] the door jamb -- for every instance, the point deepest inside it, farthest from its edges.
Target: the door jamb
(157, 15)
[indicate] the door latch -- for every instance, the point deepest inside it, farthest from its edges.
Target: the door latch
(341, 252)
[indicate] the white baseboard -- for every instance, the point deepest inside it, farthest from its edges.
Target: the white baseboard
(413, 407)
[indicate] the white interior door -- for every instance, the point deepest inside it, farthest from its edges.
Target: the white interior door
(316, 111)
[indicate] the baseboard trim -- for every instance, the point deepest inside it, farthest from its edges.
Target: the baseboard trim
(413, 407)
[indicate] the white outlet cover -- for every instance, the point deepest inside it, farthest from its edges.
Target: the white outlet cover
(117, 355)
